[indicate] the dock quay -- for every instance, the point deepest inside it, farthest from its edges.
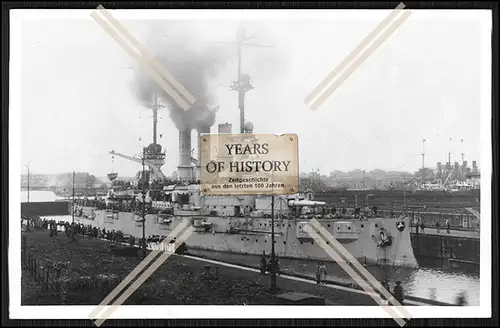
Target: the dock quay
(64, 268)
(456, 247)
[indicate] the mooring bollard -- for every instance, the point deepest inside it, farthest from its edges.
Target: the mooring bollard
(207, 269)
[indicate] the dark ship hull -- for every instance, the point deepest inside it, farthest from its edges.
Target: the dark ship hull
(399, 198)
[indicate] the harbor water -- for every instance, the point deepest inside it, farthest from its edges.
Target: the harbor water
(432, 279)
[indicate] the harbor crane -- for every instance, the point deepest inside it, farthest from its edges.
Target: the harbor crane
(154, 164)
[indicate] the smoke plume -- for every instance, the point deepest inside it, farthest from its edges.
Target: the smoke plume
(183, 51)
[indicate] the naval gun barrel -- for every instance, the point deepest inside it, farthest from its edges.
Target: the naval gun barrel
(305, 203)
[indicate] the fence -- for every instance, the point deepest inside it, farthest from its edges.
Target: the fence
(44, 276)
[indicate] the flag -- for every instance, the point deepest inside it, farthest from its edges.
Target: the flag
(423, 140)
(461, 140)
(450, 138)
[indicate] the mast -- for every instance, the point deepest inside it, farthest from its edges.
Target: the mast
(242, 84)
(462, 170)
(423, 158)
(449, 155)
(273, 255)
(363, 180)
(155, 107)
(155, 120)
(143, 203)
(73, 206)
(462, 150)
(28, 167)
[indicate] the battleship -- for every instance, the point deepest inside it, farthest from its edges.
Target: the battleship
(240, 224)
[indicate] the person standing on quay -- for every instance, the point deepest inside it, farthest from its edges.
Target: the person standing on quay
(320, 273)
(385, 285)
(448, 225)
(263, 263)
(399, 293)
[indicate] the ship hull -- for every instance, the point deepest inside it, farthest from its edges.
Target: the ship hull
(363, 239)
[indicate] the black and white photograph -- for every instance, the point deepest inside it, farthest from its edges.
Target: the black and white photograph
(358, 146)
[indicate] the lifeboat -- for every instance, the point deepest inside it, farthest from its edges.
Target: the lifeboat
(138, 220)
(112, 176)
(108, 218)
(164, 222)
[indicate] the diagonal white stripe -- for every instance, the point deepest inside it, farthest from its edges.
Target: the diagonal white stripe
(179, 228)
(354, 275)
(149, 271)
(356, 264)
(159, 68)
(146, 66)
(356, 63)
(376, 31)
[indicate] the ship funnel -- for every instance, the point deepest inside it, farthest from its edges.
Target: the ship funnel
(201, 130)
(184, 168)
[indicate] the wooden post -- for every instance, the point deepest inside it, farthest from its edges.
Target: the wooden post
(58, 282)
(42, 278)
(35, 268)
(441, 250)
(47, 279)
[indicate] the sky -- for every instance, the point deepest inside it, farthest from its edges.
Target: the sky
(78, 98)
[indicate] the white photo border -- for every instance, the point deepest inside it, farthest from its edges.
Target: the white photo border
(194, 312)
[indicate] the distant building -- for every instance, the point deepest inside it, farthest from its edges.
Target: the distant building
(474, 179)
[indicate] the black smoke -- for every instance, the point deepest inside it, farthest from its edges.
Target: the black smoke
(195, 63)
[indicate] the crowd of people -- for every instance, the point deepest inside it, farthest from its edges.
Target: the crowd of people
(122, 205)
(73, 229)
(78, 229)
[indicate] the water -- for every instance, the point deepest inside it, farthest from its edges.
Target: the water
(446, 281)
(39, 196)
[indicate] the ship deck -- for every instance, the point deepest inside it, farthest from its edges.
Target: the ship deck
(453, 233)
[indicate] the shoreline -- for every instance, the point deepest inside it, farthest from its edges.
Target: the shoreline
(179, 281)
(355, 291)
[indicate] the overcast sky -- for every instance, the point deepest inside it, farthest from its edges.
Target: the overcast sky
(78, 99)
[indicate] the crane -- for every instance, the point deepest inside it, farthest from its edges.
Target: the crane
(155, 169)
